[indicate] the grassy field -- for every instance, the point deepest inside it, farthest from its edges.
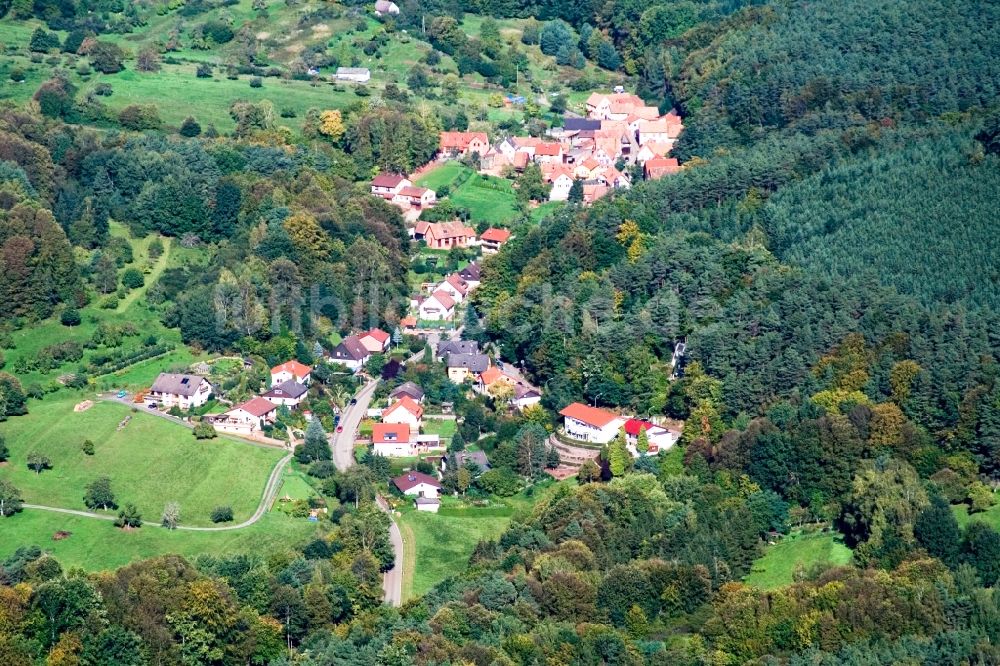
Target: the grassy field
(991, 517)
(443, 175)
(150, 462)
(97, 545)
(779, 563)
(496, 205)
(444, 427)
(438, 546)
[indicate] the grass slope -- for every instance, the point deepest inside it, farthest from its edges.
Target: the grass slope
(991, 517)
(777, 566)
(97, 545)
(438, 546)
(150, 462)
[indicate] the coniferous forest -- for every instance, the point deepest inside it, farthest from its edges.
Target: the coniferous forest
(829, 255)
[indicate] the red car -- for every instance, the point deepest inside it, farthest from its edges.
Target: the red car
(340, 428)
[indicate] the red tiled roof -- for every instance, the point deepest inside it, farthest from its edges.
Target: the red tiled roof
(589, 415)
(381, 432)
(413, 479)
(412, 192)
(377, 333)
(294, 367)
(548, 149)
(257, 406)
(387, 180)
(461, 140)
(633, 426)
(407, 403)
(661, 166)
(452, 229)
(495, 235)
(444, 298)
(456, 281)
(408, 321)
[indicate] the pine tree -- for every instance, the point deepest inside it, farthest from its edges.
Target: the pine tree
(316, 446)
(619, 459)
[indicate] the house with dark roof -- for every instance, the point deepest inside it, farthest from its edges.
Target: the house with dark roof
(351, 352)
(464, 366)
(178, 390)
(388, 185)
(446, 347)
(408, 389)
(289, 394)
(417, 484)
(463, 458)
(471, 274)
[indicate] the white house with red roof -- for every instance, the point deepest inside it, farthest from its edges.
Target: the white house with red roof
(492, 239)
(590, 424)
(455, 286)
(375, 340)
(388, 185)
(291, 371)
(417, 484)
(246, 418)
(439, 306)
(397, 440)
(405, 411)
(660, 438)
(411, 196)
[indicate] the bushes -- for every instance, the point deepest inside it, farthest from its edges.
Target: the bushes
(140, 117)
(222, 514)
(218, 32)
(205, 430)
(107, 57)
(132, 278)
(70, 317)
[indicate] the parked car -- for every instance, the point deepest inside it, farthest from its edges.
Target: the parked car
(121, 394)
(340, 428)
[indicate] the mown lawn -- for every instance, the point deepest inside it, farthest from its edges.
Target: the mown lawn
(150, 462)
(991, 516)
(442, 175)
(97, 545)
(779, 563)
(496, 206)
(438, 546)
(444, 427)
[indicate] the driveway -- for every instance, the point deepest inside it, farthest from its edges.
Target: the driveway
(392, 580)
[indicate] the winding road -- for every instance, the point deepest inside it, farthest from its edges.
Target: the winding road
(273, 483)
(342, 446)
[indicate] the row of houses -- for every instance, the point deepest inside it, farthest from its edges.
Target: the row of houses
(599, 426)
(442, 298)
(465, 362)
(355, 350)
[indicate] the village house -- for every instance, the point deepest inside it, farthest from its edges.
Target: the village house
(351, 352)
(594, 191)
(181, 391)
(525, 396)
(375, 340)
(658, 167)
(291, 371)
(660, 438)
(614, 106)
(289, 394)
(590, 424)
(446, 347)
(549, 153)
(354, 74)
(659, 131)
(407, 389)
(417, 484)
(651, 150)
(408, 324)
(388, 185)
(455, 287)
(444, 235)
(246, 418)
(463, 458)
(385, 7)
(396, 440)
(439, 306)
(493, 239)
(405, 411)
(457, 144)
(471, 275)
(410, 196)
(465, 366)
(494, 375)
(423, 488)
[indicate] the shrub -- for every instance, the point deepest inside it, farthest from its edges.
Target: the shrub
(17, 75)
(204, 71)
(103, 89)
(132, 278)
(129, 517)
(107, 57)
(218, 32)
(70, 317)
(189, 128)
(222, 514)
(109, 302)
(140, 117)
(87, 447)
(204, 430)
(256, 82)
